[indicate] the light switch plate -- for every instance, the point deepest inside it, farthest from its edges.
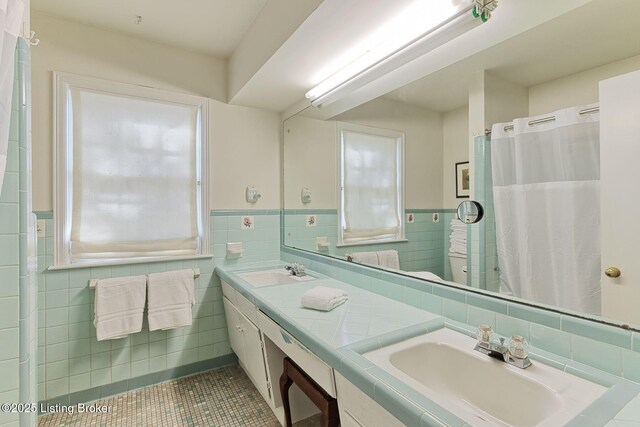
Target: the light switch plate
(436, 217)
(252, 194)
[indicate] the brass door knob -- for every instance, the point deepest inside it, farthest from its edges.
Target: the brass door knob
(612, 272)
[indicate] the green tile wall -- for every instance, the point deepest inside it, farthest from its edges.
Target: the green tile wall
(27, 238)
(584, 343)
(424, 249)
(483, 250)
(10, 272)
(72, 360)
(17, 284)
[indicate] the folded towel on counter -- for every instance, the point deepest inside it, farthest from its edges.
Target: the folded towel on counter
(171, 297)
(389, 259)
(119, 306)
(370, 258)
(424, 275)
(323, 298)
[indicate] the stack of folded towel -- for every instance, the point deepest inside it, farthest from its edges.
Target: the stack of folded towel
(458, 237)
(389, 259)
(370, 258)
(323, 298)
(171, 297)
(119, 306)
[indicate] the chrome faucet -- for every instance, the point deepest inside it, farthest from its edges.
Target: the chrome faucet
(296, 269)
(515, 354)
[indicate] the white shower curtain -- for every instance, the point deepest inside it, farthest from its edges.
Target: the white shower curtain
(547, 209)
(10, 22)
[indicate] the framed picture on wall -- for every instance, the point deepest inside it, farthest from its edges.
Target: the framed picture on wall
(462, 180)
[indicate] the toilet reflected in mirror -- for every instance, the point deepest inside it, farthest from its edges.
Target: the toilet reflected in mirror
(470, 212)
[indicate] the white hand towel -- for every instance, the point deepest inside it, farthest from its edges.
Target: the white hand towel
(119, 306)
(171, 297)
(370, 258)
(424, 275)
(389, 259)
(323, 298)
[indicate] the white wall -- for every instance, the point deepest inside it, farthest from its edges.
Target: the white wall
(245, 150)
(310, 160)
(504, 100)
(455, 132)
(80, 49)
(423, 146)
(576, 89)
(314, 161)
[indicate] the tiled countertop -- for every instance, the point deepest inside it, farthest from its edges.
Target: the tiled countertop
(369, 320)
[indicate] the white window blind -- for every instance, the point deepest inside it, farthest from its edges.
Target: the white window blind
(371, 205)
(133, 174)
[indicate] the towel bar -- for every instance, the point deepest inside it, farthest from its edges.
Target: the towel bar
(94, 282)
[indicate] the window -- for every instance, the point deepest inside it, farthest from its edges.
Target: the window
(131, 172)
(371, 203)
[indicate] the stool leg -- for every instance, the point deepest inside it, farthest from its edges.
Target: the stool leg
(334, 414)
(285, 383)
(330, 416)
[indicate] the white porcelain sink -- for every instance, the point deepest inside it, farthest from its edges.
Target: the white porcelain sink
(278, 276)
(483, 391)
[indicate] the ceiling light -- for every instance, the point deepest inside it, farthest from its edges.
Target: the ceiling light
(423, 26)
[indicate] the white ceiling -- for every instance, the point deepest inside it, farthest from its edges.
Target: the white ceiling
(520, 44)
(214, 27)
(598, 33)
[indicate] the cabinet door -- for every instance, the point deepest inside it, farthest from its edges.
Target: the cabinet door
(253, 359)
(234, 326)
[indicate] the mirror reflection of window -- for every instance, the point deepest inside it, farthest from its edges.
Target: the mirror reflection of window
(371, 180)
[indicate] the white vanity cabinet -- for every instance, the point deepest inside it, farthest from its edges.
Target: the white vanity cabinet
(359, 410)
(245, 338)
(246, 342)
(261, 346)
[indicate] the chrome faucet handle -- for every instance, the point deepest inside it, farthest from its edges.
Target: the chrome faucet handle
(515, 354)
(518, 347)
(484, 334)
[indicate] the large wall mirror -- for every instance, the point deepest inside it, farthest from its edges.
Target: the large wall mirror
(520, 128)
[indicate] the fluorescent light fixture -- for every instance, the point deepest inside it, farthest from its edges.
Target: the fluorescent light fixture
(420, 28)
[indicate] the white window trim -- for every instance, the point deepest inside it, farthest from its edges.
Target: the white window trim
(61, 208)
(399, 136)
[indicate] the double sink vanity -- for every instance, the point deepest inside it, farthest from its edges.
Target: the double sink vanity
(391, 364)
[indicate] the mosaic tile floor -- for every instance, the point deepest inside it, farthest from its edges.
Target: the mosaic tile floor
(224, 397)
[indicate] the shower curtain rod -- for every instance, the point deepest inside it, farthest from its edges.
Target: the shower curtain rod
(547, 119)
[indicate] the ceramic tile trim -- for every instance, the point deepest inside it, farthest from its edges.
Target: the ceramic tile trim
(388, 397)
(235, 212)
(575, 325)
(401, 400)
(352, 370)
(214, 212)
(335, 211)
(142, 381)
(70, 360)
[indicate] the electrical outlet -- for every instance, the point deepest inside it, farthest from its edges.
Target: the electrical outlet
(436, 217)
(41, 228)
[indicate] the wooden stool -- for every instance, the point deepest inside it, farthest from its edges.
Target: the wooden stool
(328, 405)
